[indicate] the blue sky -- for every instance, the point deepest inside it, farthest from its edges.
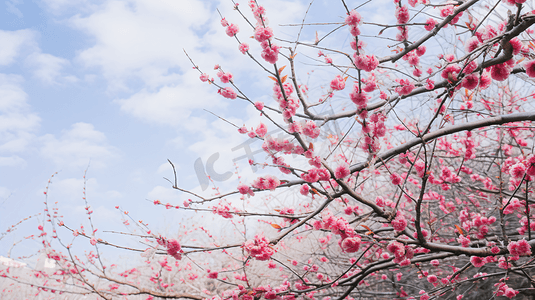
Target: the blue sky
(105, 84)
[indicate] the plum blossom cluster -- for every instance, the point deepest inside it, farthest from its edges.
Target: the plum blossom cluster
(245, 190)
(505, 290)
(316, 174)
(224, 209)
(373, 129)
(308, 128)
(173, 247)
(268, 182)
(349, 240)
(519, 248)
(264, 34)
(259, 248)
(273, 145)
(402, 17)
(403, 254)
(353, 20)
(413, 58)
(477, 222)
(287, 103)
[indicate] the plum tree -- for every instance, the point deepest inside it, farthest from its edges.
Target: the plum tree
(423, 191)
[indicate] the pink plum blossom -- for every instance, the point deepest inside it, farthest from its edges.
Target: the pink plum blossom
(258, 248)
(529, 66)
(353, 19)
(232, 30)
(262, 34)
(367, 63)
(227, 92)
(477, 261)
(338, 83)
(430, 24)
(204, 77)
(244, 47)
(520, 248)
(342, 171)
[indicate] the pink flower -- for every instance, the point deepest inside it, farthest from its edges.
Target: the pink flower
(245, 190)
(359, 98)
(402, 14)
(514, 2)
(430, 84)
(295, 127)
(500, 72)
(470, 81)
(262, 34)
(351, 244)
(399, 223)
(367, 63)
(270, 54)
(204, 77)
(432, 278)
(470, 67)
(174, 249)
(451, 72)
(267, 182)
(227, 92)
(261, 130)
(353, 44)
(430, 24)
(530, 68)
(259, 105)
(471, 44)
(477, 261)
(395, 178)
(311, 129)
(93, 241)
(396, 248)
(380, 201)
(518, 170)
(242, 130)
(520, 248)
(509, 292)
(421, 50)
(435, 263)
(353, 19)
(338, 83)
(212, 275)
(516, 43)
(258, 248)
(224, 77)
(485, 81)
(232, 29)
(406, 87)
(224, 22)
(341, 171)
(244, 47)
(446, 11)
(304, 190)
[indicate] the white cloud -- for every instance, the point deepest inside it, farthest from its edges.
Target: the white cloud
(12, 161)
(77, 147)
(12, 7)
(140, 38)
(164, 194)
(47, 67)
(12, 44)
(17, 122)
(70, 190)
(171, 105)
